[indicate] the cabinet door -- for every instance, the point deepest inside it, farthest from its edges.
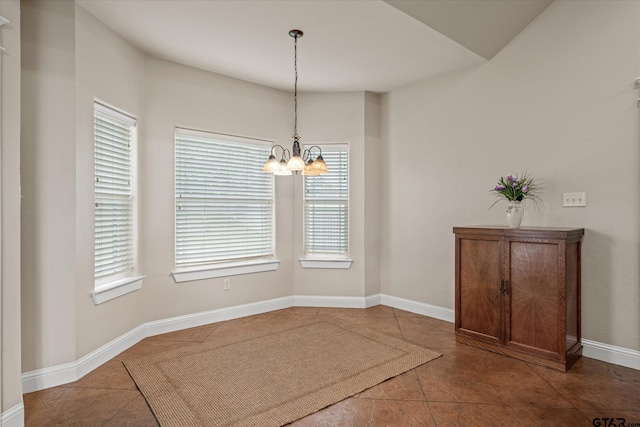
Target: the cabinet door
(534, 296)
(478, 305)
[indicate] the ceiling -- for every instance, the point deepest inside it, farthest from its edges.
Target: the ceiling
(347, 45)
(482, 26)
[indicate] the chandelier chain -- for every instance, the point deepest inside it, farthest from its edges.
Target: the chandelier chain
(295, 86)
(296, 159)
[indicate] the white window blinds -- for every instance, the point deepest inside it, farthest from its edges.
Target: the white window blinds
(326, 206)
(224, 202)
(113, 213)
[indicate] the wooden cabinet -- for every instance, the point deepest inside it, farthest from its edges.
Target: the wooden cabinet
(518, 292)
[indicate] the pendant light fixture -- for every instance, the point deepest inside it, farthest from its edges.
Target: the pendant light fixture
(293, 161)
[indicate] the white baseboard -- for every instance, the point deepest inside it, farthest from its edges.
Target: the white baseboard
(178, 323)
(91, 361)
(611, 354)
(329, 302)
(372, 300)
(425, 309)
(69, 372)
(49, 377)
(73, 371)
(14, 417)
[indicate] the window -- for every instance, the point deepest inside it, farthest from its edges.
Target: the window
(114, 135)
(223, 200)
(326, 206)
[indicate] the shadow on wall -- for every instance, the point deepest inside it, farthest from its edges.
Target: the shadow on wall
(596, 284)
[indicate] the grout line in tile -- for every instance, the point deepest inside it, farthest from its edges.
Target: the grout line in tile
(99, 388)
(400, 328)
(435, 423)
(124, 407)
(420, 383)
(608, 409)
(181, 341)
(390, 400)
(88, 387)
(425, 396)
(590, 420)
(212, 331)
(513, 406)
(551, 385)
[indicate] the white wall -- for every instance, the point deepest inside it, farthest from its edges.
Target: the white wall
(373, 174)
(333, 118)
(351, 118)
(111, 70)
(69, 59)
(558, 101)
(48, 174)
(11, 389)
(176, 95)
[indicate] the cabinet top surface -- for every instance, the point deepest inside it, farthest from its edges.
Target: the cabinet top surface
(507, 231)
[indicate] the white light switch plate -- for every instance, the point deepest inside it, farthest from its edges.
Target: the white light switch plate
(574, 199)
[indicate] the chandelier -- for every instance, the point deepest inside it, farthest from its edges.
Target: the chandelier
(292, 161)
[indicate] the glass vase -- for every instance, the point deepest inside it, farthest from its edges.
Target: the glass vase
(515, 212)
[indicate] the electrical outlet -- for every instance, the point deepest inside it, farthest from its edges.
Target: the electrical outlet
(574, 199)
(226, 284)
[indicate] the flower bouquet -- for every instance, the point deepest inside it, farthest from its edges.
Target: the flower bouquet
(516, 190)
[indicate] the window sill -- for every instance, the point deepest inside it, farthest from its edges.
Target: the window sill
(337, 263)
(117, 288)
(223, 270)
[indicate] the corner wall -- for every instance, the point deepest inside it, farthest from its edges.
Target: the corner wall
(558, 102)
(11, 385)
(48, 175)
(373, 179)
(347, 117)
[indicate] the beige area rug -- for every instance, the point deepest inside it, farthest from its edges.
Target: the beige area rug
(272, 376)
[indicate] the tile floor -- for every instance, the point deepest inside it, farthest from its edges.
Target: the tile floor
(464, 387)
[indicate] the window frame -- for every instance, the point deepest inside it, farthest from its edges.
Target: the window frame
(184, 272)
(325, 259)
(122, 282)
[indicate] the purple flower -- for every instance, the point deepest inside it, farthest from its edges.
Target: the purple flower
(508, 178)
(525, 188)
(516, 179)
(497, 188)
(515, 184)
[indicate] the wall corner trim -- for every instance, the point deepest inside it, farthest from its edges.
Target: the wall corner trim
(372, 300)
(14, 417)
(73, 371)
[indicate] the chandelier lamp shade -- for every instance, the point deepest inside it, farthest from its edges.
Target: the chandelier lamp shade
(282, 167)
(295, 160)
